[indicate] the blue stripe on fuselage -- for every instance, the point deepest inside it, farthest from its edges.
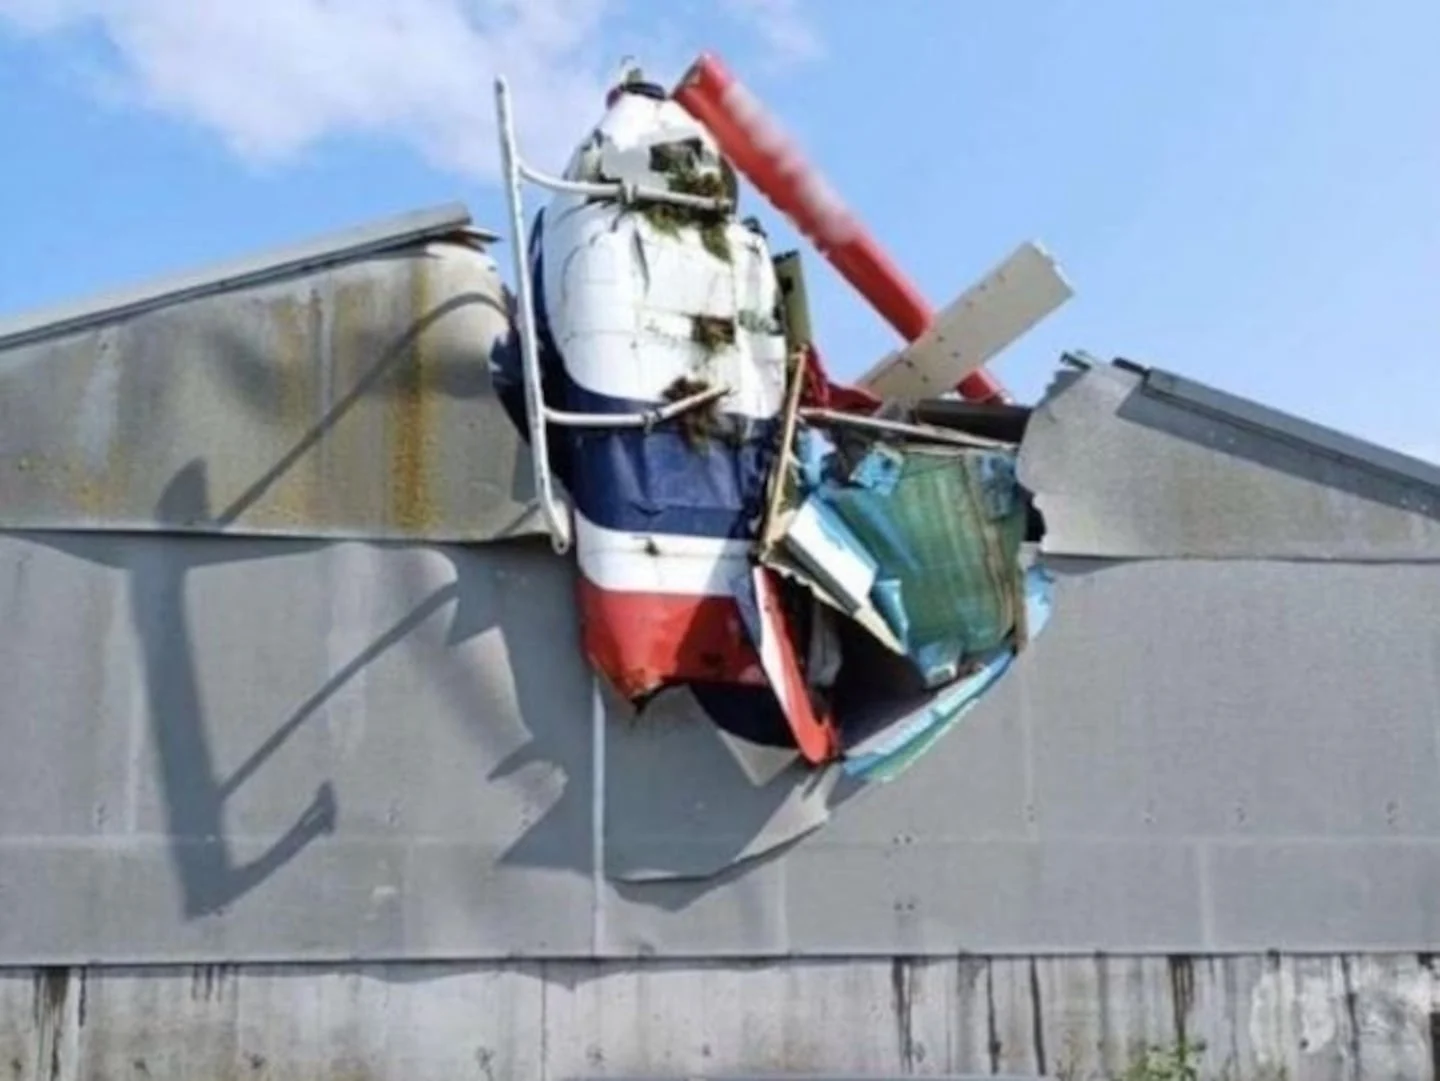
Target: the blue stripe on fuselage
(628, 479)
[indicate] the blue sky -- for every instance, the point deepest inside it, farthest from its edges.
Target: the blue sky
(1244, 192)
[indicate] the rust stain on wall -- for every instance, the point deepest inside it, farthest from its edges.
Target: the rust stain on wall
(293, 499)
(411, 420)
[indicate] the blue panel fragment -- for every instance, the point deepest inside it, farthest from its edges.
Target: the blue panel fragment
(886, 754)
(879, 470)
(999, 487)
(835, 558)
(812, 450)
(942, 528)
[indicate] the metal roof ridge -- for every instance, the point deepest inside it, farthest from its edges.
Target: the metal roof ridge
(1274, 423)
(375, 237)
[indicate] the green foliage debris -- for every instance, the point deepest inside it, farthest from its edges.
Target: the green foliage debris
(678, 162)
(712, 332)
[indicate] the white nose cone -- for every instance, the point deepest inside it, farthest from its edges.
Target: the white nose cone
(638, 138)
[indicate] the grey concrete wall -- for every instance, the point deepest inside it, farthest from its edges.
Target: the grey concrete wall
(1337, 1018)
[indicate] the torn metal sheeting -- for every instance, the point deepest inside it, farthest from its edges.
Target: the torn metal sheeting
(922, 540)
(772, 630)
(761, 764)
(977, 326)
(352, 399)
(826, 547)
(1130, 464)
(696, 814)
(368, 240)
(950, 534)
(886, 753)
(918, 545)
(866, 615)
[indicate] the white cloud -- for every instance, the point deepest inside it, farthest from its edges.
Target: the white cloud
(271, 77)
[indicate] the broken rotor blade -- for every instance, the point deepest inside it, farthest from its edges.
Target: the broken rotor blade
(986, 318)
(755, 144)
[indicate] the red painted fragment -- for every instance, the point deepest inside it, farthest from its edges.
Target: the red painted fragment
(814, 731)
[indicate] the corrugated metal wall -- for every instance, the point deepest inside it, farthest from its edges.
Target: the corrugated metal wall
(1330, 1018)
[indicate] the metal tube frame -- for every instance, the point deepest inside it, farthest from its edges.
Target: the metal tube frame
(538, 414)
(920, 432)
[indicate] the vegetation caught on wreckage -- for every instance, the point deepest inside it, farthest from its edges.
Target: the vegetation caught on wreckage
(712, 333)
(678, 162)
(697, 425)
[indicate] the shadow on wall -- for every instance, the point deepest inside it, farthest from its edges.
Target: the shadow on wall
(551, 692)
(460, 377)
(194, 794)
(551, 688)
(659, 819)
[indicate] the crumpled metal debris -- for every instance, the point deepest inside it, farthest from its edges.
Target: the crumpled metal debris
(898, 743)
(915, 540)
(926, 535)
(884, 590)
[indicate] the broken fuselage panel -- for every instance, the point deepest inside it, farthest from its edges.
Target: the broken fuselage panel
(842, 590)
(639, 306)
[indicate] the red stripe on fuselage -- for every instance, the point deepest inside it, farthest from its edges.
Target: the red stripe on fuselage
(645, 641)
